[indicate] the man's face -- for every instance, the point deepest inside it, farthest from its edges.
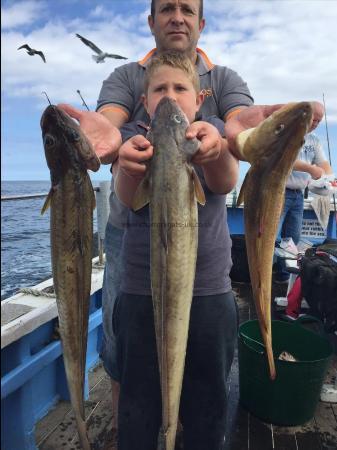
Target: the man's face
(176, 25)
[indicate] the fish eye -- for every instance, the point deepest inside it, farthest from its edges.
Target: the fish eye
(49, 141)
(279, 128)
(176, 118)
(73, 135)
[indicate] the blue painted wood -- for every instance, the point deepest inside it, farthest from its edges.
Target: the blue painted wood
(33, 378)
(17, 420)
(25, 371)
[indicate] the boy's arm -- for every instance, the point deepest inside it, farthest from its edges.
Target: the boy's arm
(130, 169)
(221, 175)
(219, 166)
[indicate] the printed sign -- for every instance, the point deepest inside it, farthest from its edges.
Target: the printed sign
(312, 229)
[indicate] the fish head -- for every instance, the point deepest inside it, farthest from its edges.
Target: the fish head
(65, 144)
(170, 120)
(280, 136)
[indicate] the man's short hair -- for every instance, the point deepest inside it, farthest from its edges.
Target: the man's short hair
(201, 8)
(174, 59)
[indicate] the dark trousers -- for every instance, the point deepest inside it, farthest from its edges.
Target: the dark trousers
(210, 349)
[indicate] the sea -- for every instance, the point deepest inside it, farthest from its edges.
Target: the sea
(25, 237)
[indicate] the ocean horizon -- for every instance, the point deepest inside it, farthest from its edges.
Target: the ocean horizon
(25, 236)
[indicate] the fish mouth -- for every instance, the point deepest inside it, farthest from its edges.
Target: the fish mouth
(93, 163)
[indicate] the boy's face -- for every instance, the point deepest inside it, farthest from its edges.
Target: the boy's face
(174, 83)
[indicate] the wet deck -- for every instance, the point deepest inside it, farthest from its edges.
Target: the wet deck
(245, 432)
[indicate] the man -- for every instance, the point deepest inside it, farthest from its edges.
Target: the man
(176, 25)
(311, 163)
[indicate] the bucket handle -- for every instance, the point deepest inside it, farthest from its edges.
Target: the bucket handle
(309, 318)
(247, 338)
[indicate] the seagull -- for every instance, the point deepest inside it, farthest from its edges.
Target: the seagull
(99, 58)
(32, 52)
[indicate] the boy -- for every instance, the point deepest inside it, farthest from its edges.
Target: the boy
(213, 321)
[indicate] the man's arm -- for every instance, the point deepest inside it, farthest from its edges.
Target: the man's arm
(326, 167)
(101, 129)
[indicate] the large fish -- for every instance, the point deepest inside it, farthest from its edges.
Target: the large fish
(271, 148)
(72, 201)
(172, 188)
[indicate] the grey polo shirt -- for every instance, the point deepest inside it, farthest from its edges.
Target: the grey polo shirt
(224, 90)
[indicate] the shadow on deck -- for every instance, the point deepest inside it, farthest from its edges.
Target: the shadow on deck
(245, 432)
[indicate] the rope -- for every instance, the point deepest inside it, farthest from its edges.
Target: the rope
(36, 292)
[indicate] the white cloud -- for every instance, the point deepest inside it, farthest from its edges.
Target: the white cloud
(285, 50)
(21, 13)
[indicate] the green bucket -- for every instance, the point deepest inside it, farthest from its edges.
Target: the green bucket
(292, 397)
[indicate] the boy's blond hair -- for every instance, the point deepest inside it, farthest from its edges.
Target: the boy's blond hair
(176, 60)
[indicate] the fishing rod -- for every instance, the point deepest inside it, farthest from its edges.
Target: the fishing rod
(84, 104)
(45, 93)
(327, 138)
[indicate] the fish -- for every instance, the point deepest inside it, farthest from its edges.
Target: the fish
(100, 57)
(32, 51)
(285, 356)
(271, 148)
(172, 189)
(72, 201)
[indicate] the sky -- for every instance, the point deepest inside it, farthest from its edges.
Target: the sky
(284, 49)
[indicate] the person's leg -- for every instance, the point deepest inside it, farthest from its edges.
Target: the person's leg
(210, 350)
(139, 409)
(111, 284)
(286, 226)
(293, 225)
(283, 217)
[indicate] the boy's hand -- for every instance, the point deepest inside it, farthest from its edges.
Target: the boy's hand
(210, 141)
(132, 155)
(103, 136)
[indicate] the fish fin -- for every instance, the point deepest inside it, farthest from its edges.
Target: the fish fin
(198, 189)
(240, 199)
(93, 199)
(142, 194)
(46, 204)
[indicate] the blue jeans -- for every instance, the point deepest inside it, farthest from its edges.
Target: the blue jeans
(111, 283)
(290, 224)
(292, 215)
(212, 337)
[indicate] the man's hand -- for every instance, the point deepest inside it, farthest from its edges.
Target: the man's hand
(210, 141)
(103, 136)
(247, 118)
(316, 172)
(132, 155)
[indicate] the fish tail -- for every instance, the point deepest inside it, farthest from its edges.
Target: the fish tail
(82, 433)
(270, 357)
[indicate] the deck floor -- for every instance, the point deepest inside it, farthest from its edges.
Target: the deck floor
(245, 432)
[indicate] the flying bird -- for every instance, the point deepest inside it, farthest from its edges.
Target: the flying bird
(99, 58)
(32, 51)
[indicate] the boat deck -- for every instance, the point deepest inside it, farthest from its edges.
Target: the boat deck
(245, 432)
